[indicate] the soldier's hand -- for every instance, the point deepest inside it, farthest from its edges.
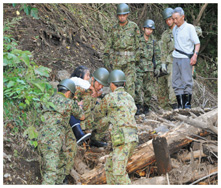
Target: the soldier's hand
(164, 68)
(156, 72)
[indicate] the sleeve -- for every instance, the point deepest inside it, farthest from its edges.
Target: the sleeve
(163, 46)
(77, 112)
(194, 36)
(107, 51)
(137, 44)
(100, 109)
(157, 54)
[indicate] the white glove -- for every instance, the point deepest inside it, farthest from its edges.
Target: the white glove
(164, 68)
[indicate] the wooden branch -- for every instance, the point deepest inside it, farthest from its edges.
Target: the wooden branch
(144, 154)
(196, 154)
(205, 122)
(196, 22)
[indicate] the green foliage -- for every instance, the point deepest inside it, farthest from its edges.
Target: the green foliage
(28, 10)
(25, 87)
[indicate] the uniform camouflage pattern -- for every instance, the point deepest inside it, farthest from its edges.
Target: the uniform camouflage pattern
(122, 52)
(146, 82)
(56, 140)
(118, 110)
(89, 103)
(116, 164)
(165, 90)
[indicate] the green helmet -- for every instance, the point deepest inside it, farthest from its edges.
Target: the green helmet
(167, 13)
(117, 76)
(67, 84)
(101, 75)
(149, 24)
(123, 8)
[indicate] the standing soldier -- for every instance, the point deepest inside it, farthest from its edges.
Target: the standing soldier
(122, 49)
(56, 140)
(119, 108)
(167, 46)
(148, 67)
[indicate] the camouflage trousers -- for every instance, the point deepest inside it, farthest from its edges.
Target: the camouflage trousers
(130, 73)
(116, 163)
(146, 85)
(58, 147)
(165, 93)
(100, 129)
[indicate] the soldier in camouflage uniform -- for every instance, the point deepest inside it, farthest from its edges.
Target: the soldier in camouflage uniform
(119, 109)
(146, 82)
(56, 141)
(165, 89)
(122, 48)
(98, 81)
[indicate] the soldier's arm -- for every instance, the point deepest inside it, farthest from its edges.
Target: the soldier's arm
(157, 54)
(107, 51)
(137, 45)
(164, 49)
(77, 111)
(100, 109)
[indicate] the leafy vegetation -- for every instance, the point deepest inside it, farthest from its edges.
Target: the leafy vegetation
(24, 84)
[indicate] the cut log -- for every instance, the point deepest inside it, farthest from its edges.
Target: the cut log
(144, 154)
(162, 155)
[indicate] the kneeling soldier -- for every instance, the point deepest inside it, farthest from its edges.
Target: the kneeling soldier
(119, 108)
(56, 140)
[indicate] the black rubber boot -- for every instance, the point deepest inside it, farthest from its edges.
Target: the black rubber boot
(146, 109)
(139, 109)
(179, 99)
(79, 134)
(97, 143)
(174, 106)
(187, 101)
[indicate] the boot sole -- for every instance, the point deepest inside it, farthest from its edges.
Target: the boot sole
(83, 138)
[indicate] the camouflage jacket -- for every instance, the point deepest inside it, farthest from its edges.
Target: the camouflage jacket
(167, 46)
(60, 115)
(147, 50)
(120, 109)
(122, 45)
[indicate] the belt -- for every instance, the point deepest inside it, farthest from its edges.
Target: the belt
(128, 53)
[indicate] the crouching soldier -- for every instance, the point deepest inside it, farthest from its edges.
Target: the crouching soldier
(56, 140)
(119, 108)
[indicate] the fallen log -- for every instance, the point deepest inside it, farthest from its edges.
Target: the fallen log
(144, 154)
(205, 121)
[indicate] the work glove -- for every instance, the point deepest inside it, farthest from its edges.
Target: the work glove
(156, 72)
(164, 68)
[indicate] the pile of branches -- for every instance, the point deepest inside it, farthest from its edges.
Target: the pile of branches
(192, 145)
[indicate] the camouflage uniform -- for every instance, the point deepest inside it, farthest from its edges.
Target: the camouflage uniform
(122, 52)
(145, 75)
(56, 140)
(89, 103)
(118, 109)
(165, 89)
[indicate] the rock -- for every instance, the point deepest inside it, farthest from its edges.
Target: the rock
(161, 129)
(63, 74)
(54, 84)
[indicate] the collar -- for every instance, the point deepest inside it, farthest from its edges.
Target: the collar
(119, 89)
(182, 26)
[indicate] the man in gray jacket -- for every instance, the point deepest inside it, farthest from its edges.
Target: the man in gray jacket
(187, 47)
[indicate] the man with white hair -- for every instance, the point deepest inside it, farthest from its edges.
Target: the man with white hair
(187, 47)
